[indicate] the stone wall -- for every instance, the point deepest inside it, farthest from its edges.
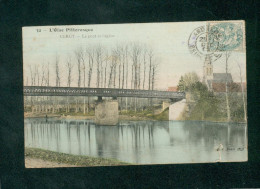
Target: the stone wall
(106, 112)
(165, 105)
(176, 110)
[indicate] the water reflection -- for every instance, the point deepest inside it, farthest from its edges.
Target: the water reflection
(141, 142)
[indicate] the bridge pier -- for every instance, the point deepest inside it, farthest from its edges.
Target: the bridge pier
(99, 99)
(165, 105)
(106, 112)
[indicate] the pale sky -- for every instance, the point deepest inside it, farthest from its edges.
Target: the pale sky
(169, 41)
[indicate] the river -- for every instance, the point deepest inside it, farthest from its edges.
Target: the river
(140, 142)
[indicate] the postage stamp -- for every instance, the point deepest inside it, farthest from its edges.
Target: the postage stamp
(214, 38)
(227, 36)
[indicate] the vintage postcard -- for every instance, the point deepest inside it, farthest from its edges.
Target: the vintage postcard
(134, 94)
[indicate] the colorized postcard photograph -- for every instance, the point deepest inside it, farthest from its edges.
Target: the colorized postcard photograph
(135, 94)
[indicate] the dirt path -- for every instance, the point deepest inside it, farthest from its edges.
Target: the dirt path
(39, 163)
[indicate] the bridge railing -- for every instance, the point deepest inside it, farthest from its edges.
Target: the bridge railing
(104, 92)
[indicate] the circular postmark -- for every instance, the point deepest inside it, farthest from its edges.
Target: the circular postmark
(213, 39)
(200, 43)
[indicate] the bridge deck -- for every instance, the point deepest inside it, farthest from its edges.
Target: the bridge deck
(103, 92)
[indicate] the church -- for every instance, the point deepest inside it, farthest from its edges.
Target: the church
(215, 82)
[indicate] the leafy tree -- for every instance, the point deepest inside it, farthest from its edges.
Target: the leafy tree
(187, 81)
(206, 103)
(181, 85)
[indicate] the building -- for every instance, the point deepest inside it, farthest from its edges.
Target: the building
(215, 82)
(173, 89)
(232, 87)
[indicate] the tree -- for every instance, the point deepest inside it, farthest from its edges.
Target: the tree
(118, 54)
(120, 62)
(181, 85)
(37, 74)
(69, 65)
(79, 57)
(90, 52)
(136, 50)
(33, 75)
(227, 55)
(243, 94)
(144, 63)
(78, 54)
(106, 61)
(206, 106)
(57, 71)
(123, 64)
(43, 75)
(135, 55)
(43, 79)
(187, 80)
(84, 80)
(48, 75)
(150, 56)
(99, 60)
(112, 69)
(126, 74)
(47, 82)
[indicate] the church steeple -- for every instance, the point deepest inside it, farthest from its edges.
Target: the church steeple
(207, 70)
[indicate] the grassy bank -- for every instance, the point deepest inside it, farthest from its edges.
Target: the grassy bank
(59, 114)
(70, 159)
(123, 115)
(146, 115)
(205, 105)
(163, 116)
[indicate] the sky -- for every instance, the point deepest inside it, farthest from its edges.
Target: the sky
(168, 40)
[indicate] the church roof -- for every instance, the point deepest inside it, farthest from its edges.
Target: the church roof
(221, 78)
(232, 87)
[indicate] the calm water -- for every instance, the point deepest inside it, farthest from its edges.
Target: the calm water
(140, 142)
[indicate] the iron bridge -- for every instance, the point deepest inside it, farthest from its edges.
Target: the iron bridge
(100, 92)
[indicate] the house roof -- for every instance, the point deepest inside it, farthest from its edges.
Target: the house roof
(221, 77)
(232, 87)
(219, 87)
(174, 89)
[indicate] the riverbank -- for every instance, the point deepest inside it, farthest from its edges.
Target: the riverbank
(82, 117)
(39, 163)
(38, 158)
(163, 116)
(129, 116)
